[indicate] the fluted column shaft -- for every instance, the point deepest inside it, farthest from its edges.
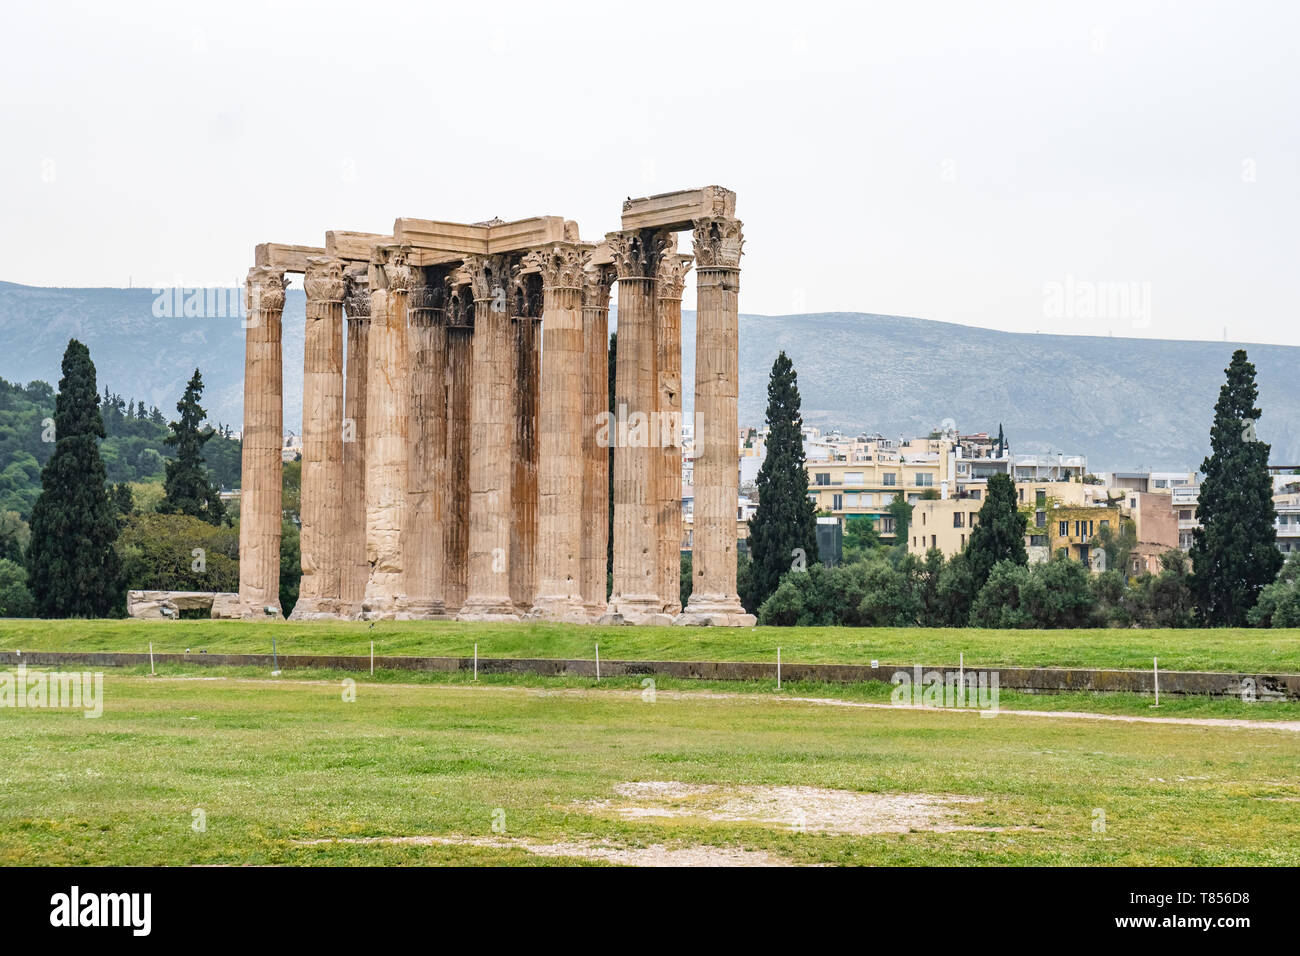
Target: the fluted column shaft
(387, 428)
(595, 451)
(491, 444)
(718, 243)
(561, 464)
(355, 570)
(458, 375)
(322, 443)
(422, 537)
(262, 437)
(524, 461)
(668, 461)
(637, 581)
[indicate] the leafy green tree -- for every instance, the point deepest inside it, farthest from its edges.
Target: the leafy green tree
(290, 566)
(901, 511)
(1000, 534)
(73, 570)
(15, 599)
(1279, 603)
(1003, 600)
(1117, 547)
(1165, 599)
(861, 540)
(1234, 552)
(175, 552)
(189, 492)
(15, 535)
(956, 591)
(785, 518)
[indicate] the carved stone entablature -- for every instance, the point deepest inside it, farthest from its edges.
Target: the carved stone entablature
(356, 296)
(489, 277)
(390, 268)
(323, 280)
(597, 281)
(636, 254)
(672, 275)
(265, 289)
(718, 243)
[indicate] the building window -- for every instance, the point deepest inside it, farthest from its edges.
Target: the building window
(850, 500)
(890, 480)
(837, 502)
(924, 480)
(1105, 524)
(958, 520)
(1038, 540)
(853, 478)
(1040, 497)
(1064, 530)
(822, 478)
(1040, 519)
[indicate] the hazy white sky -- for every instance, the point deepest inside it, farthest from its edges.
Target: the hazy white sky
(1126, 168)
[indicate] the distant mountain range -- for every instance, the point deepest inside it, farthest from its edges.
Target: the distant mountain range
(1125, 403)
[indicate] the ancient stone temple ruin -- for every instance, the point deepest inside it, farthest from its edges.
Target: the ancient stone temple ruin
(456, 420)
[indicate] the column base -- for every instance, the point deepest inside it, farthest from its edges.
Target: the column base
(381, 608)
(561, 610)
(320, 609)
(422, 609)
(640, 609)
(259, 612)
(715, 611)
(488, 609)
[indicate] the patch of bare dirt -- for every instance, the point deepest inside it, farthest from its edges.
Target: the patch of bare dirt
(803, 809)
(656, 854)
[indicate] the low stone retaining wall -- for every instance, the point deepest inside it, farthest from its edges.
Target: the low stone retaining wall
(1043, 680)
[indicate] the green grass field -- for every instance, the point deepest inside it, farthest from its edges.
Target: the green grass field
(419, 772)
(1262, 651)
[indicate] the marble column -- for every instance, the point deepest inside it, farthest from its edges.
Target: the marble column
(525, 320)
(561, 463)
(457, 379)
(319, 594)
(636, 597)
(595, 440)
(262, 439)
(387, 432)
(355, 570)
(718, 243)
(492, 409)
(668, 429)
(422, 537)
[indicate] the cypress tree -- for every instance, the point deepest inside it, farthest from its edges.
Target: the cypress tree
(1000, 534)
(785, 519)
(188, 490)
(73, 569)
(1234, 552)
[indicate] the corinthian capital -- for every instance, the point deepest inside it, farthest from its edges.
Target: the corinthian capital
(323, 280)
(356, 296)
(489, 276)
(390, 268)
(637, 254)
(718, 243)
(596, 284)
(672, 275)
(561, 264)
(265, 289)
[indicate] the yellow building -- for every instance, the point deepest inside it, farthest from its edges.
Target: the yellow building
(945, 524)
(866, 476)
